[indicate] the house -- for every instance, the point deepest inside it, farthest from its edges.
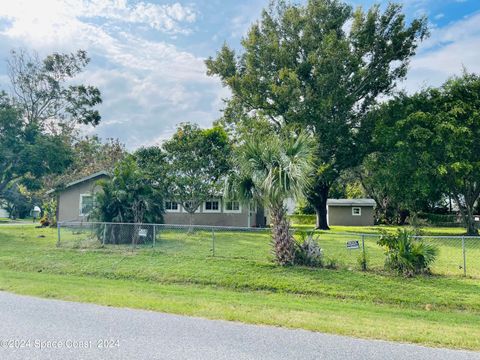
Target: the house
(216, 212)
(350, 212)
(75, 202)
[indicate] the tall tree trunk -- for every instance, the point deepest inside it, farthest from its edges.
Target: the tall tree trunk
(466, 210)
(318, 199)
(281, 237)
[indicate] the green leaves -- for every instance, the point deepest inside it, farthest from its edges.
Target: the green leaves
(407, 254)
(42, 89)
(320, 66)
(272, 169)
(128, 196)
(431, 143)
(197, 161)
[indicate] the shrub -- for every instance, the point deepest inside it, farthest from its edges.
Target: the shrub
(303, 219)
(362, 261)
(307, 251)
(331, 263)
(407, 255)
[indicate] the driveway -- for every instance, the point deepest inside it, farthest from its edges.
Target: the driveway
(32, 328)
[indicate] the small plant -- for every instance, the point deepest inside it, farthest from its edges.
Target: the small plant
(307, 251)
(362, 261)
(331, 263)
(407, 255)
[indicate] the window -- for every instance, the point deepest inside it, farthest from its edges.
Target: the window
(212, 206)
(356, 211)
(253, 207)
(232, 207)
(171, 206)
(86, 204)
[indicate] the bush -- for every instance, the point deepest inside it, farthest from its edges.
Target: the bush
(407, 255)
(303, 219)
(307, 251)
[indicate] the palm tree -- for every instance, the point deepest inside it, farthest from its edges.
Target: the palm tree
(269, 171)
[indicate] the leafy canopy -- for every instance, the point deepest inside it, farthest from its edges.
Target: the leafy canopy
(322, 66)
(270, 170)
(197, 162)
(432, 144)
(128, 196)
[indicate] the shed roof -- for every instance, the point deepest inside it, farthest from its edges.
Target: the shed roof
(351, 202)
(86, 178)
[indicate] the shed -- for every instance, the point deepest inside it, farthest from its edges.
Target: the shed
(351, 212)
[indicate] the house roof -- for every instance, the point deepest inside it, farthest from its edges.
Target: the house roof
(351, 202)
(79, 181)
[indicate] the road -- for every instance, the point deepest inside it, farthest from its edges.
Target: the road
(52, 329)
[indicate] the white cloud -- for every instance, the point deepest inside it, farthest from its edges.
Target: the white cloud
(147, 86)
(50, 16)
(448, 50)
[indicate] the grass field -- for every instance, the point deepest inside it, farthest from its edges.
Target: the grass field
(240, 283)
(255, 245)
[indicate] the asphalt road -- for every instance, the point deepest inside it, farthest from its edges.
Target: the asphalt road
(52, 329)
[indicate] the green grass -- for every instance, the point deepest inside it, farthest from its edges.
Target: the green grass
(240, 283)
(430, 231)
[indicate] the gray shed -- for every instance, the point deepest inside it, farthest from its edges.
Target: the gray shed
(351, 212)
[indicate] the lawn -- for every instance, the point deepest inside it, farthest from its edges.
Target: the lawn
(240, 283)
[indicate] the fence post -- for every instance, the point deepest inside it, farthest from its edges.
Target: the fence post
(58, 232)
(464, 257)
(364, 260)
(153, 242)
(104, 233)
(213, 242)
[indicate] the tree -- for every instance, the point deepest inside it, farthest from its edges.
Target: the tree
(17, 202)
(397, 174)
(128, 197)
(197, 162)
(432, 145)
(89, 155)
(37, 121)
(42, 89)
(322, 66)
(269, 171)
(26, 153)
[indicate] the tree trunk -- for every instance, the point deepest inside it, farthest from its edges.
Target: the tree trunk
(471, 226)
(318, 198)
(466, 210)
(281, 237)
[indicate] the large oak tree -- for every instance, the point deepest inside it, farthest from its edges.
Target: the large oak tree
(322, 66)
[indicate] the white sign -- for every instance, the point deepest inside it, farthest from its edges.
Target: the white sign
(142, 232)
(353, 244)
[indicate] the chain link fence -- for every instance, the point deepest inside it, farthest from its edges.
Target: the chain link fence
(457, 255)
(179, 240)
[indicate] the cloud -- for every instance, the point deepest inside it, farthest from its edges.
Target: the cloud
(148, 84)
(50, 16)
(448, 50)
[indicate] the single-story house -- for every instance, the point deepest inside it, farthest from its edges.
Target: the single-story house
(76, 201)
(216, 212)
(350, 212)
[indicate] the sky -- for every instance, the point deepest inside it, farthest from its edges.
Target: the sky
(147, 57)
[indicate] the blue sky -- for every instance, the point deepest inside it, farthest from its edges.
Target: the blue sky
(147, 56)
